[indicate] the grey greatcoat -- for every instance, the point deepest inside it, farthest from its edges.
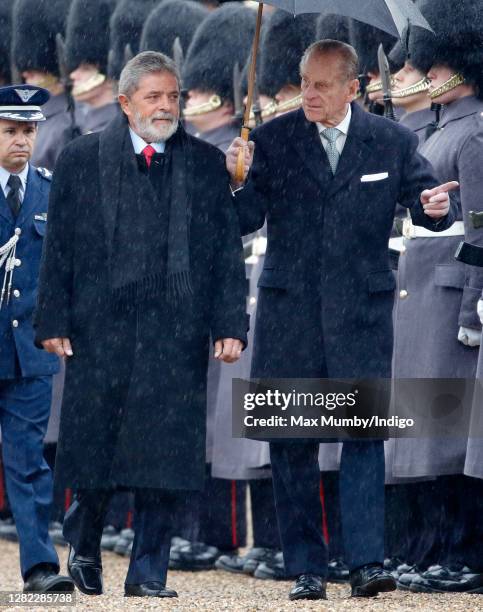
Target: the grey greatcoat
(55, 132)
(96, 119)
(418, 122)
(442, 293)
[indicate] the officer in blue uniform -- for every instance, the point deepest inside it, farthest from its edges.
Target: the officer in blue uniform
(25, 371)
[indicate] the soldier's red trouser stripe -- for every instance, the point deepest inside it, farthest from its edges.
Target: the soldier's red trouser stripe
(234, 534)
(325, 529)
(67, 499)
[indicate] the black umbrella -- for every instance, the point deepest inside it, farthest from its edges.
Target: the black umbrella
(392, 16)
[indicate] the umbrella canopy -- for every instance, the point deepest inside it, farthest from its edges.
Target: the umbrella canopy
(392, 16)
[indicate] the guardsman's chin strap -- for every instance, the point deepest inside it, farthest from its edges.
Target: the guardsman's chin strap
(455, 81)
(91, 83)
(7, 256)
(419, 87)
(213, 103)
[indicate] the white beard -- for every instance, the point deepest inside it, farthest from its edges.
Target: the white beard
(151, 133)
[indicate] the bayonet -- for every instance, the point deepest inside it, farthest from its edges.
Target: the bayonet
(385, 74)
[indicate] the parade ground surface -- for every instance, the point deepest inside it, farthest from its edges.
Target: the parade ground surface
(214, 590)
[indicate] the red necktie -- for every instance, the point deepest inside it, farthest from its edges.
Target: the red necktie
(148, 153)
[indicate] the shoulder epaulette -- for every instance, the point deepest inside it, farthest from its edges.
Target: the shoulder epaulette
(44, 173)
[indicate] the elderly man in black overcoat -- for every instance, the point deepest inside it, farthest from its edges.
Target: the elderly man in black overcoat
(326, 179)
(143, 260)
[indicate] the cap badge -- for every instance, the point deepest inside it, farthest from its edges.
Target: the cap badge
(25, 94)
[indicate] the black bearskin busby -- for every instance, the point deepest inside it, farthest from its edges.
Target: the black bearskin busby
(5, 38)
(457, 42)
(223, 39)
(366, 40)
(282, 48)
(170, 20)
(397, 56)
(126, 26)
(35, 25)
(87, 33)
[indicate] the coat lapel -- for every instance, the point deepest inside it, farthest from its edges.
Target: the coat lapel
(111, 146)
(356, 150)
(307, 142)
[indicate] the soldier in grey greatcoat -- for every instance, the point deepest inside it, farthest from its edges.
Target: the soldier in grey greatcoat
(35, 25)
(437, 329)
(410, 530)
(87, 48)
(216, 517)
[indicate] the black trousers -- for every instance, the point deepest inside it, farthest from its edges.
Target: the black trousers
(461, 521)
(154, 518)
(264, 516)
(296, 479)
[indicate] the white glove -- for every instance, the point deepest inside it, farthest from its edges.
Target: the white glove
(469, 337)
(479, 309)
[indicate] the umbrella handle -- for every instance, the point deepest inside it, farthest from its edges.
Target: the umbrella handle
(240, 162)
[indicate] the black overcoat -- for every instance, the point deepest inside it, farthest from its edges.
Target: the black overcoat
(134, 407)
(328, 236)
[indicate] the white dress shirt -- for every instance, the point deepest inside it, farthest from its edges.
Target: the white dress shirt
(5, 175)
(343, 127)
(139, 144)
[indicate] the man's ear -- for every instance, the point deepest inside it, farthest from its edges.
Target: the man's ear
(124, 104)
(353, 89)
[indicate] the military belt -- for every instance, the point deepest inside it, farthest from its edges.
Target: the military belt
(415, 231)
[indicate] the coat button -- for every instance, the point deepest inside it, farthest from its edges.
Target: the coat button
(16, 293)
(18, 231)
(15, 323)
(253, 300)
(403, 294)
(18, 262)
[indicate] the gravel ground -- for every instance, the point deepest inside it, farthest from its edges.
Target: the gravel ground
(214, 591)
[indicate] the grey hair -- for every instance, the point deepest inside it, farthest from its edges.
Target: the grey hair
(147, 62)
(349, 60)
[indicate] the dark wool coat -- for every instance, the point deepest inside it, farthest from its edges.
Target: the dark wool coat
(328, 235)
(134, 408)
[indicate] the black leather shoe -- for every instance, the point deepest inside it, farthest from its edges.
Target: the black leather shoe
(405, 579)
(194, 556)
(308, 586)
(86, 572)
(468, 582)
(338, 572)
(272, 569)
(371, 579)
(43, 578)
(148, 589)
(429, 581)
(246, 564)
